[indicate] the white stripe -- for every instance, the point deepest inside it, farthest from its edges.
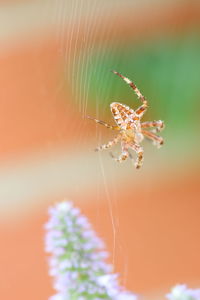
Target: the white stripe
(127, 80)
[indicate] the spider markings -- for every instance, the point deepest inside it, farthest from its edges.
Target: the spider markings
(131, 130)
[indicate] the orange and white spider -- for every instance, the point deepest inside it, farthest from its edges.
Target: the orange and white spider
(131, 130)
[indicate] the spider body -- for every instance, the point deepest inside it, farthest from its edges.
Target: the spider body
(127, 122)
(131, 131)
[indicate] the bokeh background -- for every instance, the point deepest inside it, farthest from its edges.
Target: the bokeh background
(55, 62)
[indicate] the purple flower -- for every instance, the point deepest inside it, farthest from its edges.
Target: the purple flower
(77, 260)
(182, 292)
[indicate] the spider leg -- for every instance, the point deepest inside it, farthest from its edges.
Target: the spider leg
(157, 140)
(158, 125)
(134, 87)
(141, 110)
(123, 156)
(109, 144)
(139, 160)
(104, 123)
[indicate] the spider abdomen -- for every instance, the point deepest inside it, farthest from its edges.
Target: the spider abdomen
(122, 114)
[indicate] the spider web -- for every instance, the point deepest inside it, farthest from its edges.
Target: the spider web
(82, 26)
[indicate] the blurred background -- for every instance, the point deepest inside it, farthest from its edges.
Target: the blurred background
(55, 62)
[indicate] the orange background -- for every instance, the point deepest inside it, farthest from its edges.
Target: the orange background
(149, 220)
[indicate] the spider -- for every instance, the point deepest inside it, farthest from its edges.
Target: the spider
(131, 131)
